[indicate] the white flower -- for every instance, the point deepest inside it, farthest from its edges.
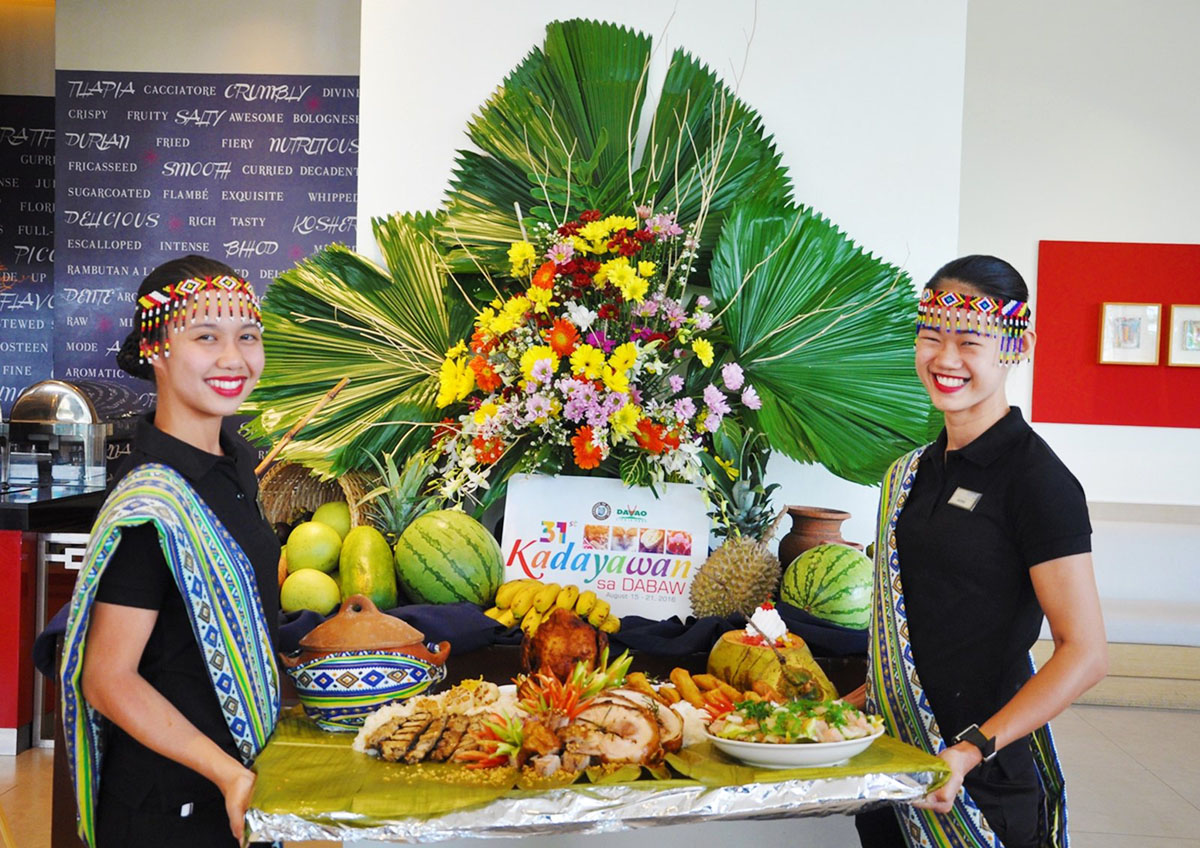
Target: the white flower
(580, 315)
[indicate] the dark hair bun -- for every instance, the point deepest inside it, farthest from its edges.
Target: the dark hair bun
(129, 358)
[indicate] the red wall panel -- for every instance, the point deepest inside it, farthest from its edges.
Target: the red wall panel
(1070, 386)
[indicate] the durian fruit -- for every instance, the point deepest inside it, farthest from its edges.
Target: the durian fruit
(736, 577)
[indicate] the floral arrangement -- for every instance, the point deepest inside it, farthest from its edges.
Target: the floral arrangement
(584, 364)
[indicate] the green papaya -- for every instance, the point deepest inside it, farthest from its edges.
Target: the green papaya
(366, 568)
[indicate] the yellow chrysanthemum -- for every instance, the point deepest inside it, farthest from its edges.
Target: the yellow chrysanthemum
(704, 351)
(623, 357)
(581, 245)
(594, 231)
(635, 288)
(625, 419)
(521, 257)
(457, 351)
(455, 381)
(620, 222)
(486, 410)
(534, 355)
(647, 269)
(607, 269)
(616, 381)
(542, 299)
(483, 320)
(588, 361)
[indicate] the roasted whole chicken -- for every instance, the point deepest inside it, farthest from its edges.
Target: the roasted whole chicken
(562, 640)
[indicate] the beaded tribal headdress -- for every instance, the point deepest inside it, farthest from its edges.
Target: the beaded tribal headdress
(990, 316)
(174, 306)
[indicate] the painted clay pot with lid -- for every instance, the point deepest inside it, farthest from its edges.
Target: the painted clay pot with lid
(360, 660)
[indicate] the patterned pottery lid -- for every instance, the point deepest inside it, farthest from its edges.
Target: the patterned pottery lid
(361, 626)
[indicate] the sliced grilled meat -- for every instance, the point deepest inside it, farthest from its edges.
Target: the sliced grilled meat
(456, 728)
(426, 741)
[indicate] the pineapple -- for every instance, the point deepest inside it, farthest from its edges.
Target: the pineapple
(742, 572)
(403, 494)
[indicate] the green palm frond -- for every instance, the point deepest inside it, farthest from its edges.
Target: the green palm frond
(824, 332)
(562, 132)
(339, 314)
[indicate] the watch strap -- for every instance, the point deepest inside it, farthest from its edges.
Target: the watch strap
(985, 744)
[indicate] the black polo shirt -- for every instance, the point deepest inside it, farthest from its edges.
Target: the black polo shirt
(972, 612)
(137, 576)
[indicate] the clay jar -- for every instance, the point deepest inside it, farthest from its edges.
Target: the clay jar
(811, 526)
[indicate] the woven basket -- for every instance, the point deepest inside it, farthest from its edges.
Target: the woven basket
(289, 490)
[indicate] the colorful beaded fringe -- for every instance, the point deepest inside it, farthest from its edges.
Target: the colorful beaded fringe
(953, 312)
(166, 307)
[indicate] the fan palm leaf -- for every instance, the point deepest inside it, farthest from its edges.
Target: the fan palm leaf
(561, 135)
(824, 332)
(339, 314)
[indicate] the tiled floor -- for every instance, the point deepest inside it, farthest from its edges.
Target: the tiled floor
(1133, 778)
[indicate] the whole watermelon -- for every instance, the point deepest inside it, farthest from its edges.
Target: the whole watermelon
(831, 582)
(447, 556)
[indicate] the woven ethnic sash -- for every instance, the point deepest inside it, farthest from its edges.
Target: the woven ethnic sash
(219, 591)
(895, 692)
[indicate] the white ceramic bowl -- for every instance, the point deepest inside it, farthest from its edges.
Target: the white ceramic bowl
(788, 755)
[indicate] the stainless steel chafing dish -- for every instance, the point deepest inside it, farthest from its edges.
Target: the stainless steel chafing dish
(66, 433)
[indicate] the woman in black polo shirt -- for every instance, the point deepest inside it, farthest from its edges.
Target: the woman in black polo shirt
(980, 534)
(168, 637)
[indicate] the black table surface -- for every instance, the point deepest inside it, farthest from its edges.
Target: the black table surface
(48, 509)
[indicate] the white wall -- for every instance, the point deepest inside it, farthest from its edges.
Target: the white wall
(27, 48)
(865, 103)
(1080, 123)
(216, 36)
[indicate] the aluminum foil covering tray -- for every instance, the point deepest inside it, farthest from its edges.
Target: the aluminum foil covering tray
(312, 786)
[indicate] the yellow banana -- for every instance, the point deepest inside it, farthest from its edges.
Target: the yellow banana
(567, 596)
(531, 621)
(544, 599)
(585, 603)
(504, 616)
(611, 624)
(522, 602)
(507, 591)
(599, 613)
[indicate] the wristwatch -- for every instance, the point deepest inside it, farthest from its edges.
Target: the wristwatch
(985, 744)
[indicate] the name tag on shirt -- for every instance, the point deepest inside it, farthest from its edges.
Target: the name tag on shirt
(964, 499)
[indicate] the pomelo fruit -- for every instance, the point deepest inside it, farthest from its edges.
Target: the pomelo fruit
(309, 589)
(447, 556)
(313, 545)
(831, 582)
(366, 567)
(336, 514)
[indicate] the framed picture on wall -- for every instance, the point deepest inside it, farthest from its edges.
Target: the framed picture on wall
(1129, 333)
(1184, 348)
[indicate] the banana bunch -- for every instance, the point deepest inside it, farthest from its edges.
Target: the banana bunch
(527, 602)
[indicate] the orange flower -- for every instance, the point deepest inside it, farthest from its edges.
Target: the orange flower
(482, 342)
(563, 337)
(485, 376)
(587, 455)
(650, 436)
(543, 278)
(488, 451)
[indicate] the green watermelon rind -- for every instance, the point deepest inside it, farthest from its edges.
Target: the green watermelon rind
(815, 582)
(428, 570)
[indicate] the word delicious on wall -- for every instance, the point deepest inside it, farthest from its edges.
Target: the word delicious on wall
(255, 170)
(26, 243)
